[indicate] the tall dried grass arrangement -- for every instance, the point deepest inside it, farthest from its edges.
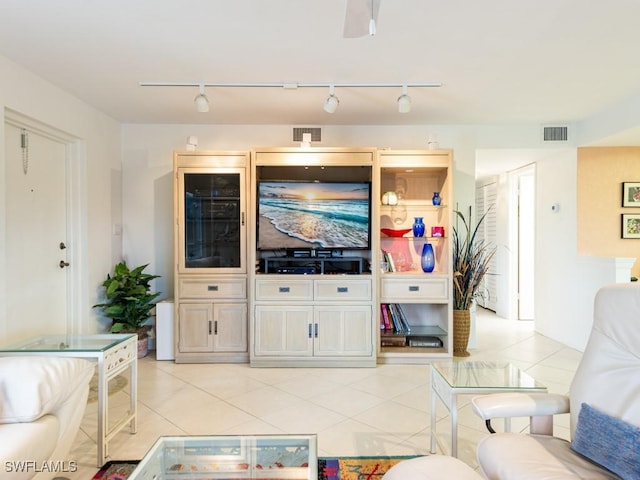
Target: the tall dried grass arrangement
(471, 258)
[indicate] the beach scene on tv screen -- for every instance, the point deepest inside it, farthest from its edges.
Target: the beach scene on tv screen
(313, 215)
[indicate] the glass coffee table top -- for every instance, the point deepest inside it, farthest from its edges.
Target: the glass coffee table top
(485, 375)
(70, 343)
(230, 457)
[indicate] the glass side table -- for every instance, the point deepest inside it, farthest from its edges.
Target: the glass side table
(114, 353)
(233, 456)
(453, 378)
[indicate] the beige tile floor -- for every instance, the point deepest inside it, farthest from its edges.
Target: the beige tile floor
(371, 411)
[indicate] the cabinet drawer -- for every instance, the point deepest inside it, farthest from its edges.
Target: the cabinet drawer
(342, 289)
(285, 289)
(212, 287)
(397, 290)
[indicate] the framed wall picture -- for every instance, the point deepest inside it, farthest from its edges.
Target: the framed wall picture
(630, 225)
(631, 194)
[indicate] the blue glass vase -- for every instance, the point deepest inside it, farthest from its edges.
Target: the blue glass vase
(436, 200)
(428, 258)
(418, 227)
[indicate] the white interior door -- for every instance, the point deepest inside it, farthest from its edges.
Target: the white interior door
(486, 198)
(36, 173)
(526, 242)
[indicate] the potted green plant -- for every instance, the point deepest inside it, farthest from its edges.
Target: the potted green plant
(129, 302)
(471, 258)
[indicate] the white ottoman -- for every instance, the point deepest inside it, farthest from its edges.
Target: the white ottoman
(436, 467)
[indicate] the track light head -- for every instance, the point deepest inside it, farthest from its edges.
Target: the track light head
(404, 101)
(332, 102)
(201, 101)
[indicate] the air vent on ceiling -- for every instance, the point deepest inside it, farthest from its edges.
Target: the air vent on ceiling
(316, 133)
(555, 134)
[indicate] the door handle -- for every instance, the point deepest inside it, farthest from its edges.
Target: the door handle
(63, 264)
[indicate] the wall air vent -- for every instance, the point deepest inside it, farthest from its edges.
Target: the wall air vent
(555, 134)
(316, 133)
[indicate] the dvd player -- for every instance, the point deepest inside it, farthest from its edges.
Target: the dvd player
(296, 270)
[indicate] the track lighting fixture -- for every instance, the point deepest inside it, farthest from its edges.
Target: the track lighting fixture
(201, 101)
(404, 101)
(332, 102)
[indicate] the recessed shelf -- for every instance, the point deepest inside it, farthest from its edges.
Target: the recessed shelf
(417, 331)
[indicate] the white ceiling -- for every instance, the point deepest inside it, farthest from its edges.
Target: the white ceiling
(500, 61)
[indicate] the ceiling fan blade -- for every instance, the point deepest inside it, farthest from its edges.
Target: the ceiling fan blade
(358, 17)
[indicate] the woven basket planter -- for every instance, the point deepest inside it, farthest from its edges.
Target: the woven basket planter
(461, 329)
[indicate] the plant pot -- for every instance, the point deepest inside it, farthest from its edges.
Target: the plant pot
(143, 347)
(461, 329)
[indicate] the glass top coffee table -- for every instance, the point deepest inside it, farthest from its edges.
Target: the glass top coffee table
(114, 353)
(453, 378)
(230, 457)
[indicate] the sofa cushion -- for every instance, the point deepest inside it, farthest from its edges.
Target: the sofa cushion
(33, 386)
(514, 456)
(608, 441)
(23, 442)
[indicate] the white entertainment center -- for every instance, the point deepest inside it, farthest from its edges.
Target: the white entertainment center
(278, 256)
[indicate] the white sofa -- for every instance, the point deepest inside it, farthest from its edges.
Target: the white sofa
(42, 402)
(603, 402)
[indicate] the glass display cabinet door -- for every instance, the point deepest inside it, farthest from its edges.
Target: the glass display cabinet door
(211, 217)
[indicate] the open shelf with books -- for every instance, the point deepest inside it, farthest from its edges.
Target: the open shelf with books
(404, 325)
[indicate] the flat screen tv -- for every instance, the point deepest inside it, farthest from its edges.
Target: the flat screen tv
(313, 214)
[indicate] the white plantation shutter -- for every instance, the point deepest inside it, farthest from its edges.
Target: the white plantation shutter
(486, 197)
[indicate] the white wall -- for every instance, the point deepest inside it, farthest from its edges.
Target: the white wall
(98, 150)
(565, 283)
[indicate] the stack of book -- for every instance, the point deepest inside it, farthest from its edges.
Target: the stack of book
(388, 259)
(393, 318)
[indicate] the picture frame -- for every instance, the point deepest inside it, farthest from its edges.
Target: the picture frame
(630, 225)
(631, 194)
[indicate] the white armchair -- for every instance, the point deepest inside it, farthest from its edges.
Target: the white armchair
(603, 403)
(42, 402)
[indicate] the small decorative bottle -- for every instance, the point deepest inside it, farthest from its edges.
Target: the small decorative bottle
(428, 258)
(436, 200)
(418, 227)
